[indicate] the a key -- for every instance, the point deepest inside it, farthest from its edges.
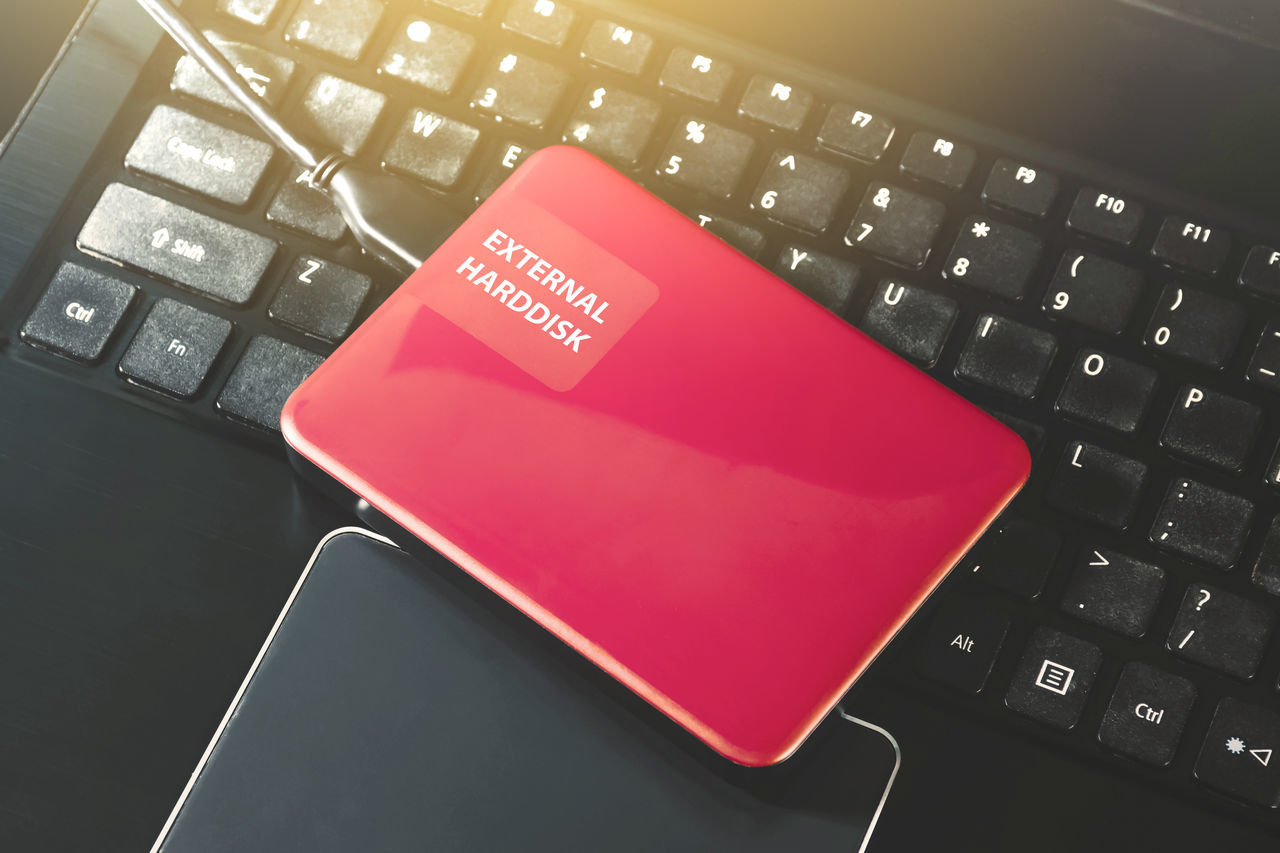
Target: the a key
(616, 46)
(1211, 427)
(547, 21)
(1266, 571)
(1106, 216)
(339, 113)
(320, 298)
(1261, 271)
(1202, 523)
(1054, 676)
(896, 224)
(744, 238)
(267, 74)
(696, 75)
(431, 148)
(1006, 355)
(1147, 714)
(174, 348)
(470, 8)
(298, 207)
(428, 54)
(170, 241)
(339, 28)
(1097, 485)
(263, 379)
(1113, 590)
(993, 257)
(509, 156)
(1182, 242)
(1195, 326)
(1016, 556)
(613, 123)
(255, 12)
(857, 133)
(705, 156)
(199, 155)
(1093, 291)
(1221, 631)
(800, 191)
(910, 320)
(775, 103)
(1239, 756)
(1106, 390)
(828, 280)
(520, 89)
(961, 644)
(1014, 185)
(78, 313)
(941, 161)
(1264, 367)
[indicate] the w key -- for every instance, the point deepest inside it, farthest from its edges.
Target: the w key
(800, 191)
(993, 257)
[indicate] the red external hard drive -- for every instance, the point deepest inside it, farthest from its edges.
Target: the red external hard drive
(704, 482)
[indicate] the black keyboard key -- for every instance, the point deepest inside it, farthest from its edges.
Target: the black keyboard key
(199, 155)
(263, 379)
(1094, 292)
(428, 54)
(339, 28)
(1195, 326)
(339, 113)
(1016, 556)
(942, 161)
(1017, 186)
(320, 298)
(856, 133)
(1211, 427)
(431, 148)
(896, 224)
(1202, 523)
(1053, 678)
(911, 321)
(618, 47)
(507, 158)
(520, 89)
(174, 348)
(1184, 243)
(1113, 590)
(1147, 714)
(255, 12)
(775, 103)
(1238, 757)
(1106, 390)
(267, 74)
(175, 243)
(1109, 217)
(470, 8)
(828, 280)
(1031, 434)
(1266, 571)
(1006, 355)
(1097, 485)
(705, 156)
(744, 238)
(547, 21)
(993, 257)
(78, 313)
(613, 124)
(1261, 271)
(1264, 367)
(298, 207)
(696, 75)
(800, 191)
(961, 644)
(1221, 631)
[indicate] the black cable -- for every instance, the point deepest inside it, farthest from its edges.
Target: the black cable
(392, 219)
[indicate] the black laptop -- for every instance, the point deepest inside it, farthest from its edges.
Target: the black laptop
(1066, 211)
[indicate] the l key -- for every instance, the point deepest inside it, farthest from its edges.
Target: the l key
(1097, 485)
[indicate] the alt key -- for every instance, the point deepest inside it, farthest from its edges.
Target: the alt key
(961, 645)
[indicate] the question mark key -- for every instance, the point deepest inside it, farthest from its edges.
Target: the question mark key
(1221, 630)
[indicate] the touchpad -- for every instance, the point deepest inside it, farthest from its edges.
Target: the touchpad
(395, 709)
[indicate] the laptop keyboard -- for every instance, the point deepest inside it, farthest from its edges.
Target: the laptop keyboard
(1123, 610)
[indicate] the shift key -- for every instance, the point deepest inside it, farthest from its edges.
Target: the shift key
(174, 243)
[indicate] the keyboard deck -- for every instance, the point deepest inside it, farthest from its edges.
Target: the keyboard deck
(1124, 609)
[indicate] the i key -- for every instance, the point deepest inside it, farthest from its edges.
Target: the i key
(1221, 631)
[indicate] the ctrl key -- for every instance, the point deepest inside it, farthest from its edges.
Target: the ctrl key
(78, 313)
(1241, 754)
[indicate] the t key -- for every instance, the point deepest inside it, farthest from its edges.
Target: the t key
(1220, 630)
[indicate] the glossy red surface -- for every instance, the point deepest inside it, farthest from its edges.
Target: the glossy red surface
(733, 503)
